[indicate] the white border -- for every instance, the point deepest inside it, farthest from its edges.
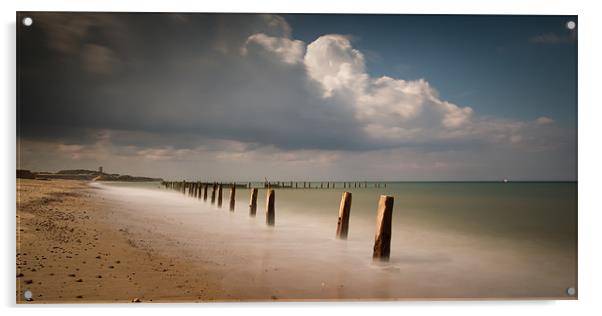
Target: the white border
(590, 136)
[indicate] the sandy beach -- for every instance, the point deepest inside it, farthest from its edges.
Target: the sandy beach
(71, 248)
(83, 241)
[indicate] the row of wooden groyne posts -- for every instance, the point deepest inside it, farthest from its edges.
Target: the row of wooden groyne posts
(382, 239)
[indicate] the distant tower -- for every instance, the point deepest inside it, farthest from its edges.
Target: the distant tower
(100, 169)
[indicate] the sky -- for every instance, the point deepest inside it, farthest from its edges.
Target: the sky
(240, 97)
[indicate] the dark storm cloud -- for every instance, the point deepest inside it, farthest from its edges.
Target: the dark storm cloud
(170, 75)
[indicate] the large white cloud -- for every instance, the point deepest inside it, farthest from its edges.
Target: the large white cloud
(389, 111)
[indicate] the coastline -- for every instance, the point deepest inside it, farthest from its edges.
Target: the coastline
(171, 247)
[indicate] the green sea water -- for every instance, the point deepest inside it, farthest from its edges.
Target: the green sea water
(544, 212)
(455, 239)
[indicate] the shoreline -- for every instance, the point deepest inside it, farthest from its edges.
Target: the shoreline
(173, 248)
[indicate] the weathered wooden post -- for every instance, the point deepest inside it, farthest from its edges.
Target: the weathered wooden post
(382, 238)
(269, 207)
(232, 197)
(344, 211)
(219, 195)
(205, 192)
(253, 202)
(213, 193)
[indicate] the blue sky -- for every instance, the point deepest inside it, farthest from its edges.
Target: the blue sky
(490, 63)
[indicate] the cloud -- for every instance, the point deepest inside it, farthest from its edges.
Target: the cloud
(544, 120)
(289, 51)
(165, 89)
(391, 111)
(98, 59)
(332, 61)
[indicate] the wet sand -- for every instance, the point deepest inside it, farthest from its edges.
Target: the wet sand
(82, 242)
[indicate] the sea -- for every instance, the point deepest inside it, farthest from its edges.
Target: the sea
(449, 239)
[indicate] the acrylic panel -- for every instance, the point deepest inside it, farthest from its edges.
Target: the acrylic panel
(197, 157)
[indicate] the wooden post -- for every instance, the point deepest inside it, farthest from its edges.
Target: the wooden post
(253, 202)
(382, 238)
(344, 210)
(213, 193)
(219, 195)
(205, 192)
(232, 197)
(269, 207)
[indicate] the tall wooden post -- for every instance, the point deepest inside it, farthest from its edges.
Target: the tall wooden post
(344, 211)
(232, 197)
(253, 202)
(382, 238)
(270, 207)
(205, 192)
(213, 193)
(219, 195)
